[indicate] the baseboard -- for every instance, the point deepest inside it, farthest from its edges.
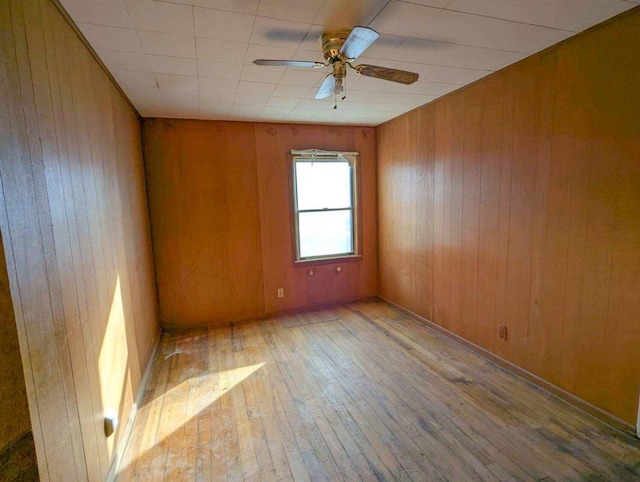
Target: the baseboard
(126, 435)
(558, 392)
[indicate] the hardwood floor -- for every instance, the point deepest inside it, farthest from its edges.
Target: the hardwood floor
(355, 392)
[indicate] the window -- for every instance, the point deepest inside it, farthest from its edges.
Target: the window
(324, 204)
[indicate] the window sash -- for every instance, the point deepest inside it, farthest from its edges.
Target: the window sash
(315, 156)
(309, 247)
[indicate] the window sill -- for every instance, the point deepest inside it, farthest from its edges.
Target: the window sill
(305, 263)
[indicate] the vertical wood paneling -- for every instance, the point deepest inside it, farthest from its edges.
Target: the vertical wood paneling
(440, 274)
(204, 216)
(76, 237)
(489, 204)
(536, 337)
(535, 214)
(424, 202)
(221, 218)
(454, 246)
(472, 150)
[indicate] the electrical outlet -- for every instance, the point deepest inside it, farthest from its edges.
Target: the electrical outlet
(280, 292)
(502, 332)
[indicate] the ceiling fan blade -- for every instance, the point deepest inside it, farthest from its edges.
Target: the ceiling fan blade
(358, 41)
(289, 63)
(326, 88)
(384, 73)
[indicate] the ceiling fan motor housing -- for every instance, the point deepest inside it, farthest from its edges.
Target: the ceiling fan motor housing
(332, 42)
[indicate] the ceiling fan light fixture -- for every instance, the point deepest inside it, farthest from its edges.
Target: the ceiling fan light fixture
(340, 48)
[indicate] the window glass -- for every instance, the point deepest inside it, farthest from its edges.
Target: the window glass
(323, 185)
(325, 233)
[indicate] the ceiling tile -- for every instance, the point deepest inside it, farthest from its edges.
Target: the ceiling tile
(295, 10)
(439, 53)
(247, 108)
(402, 19)
(387, 97)
(239, 6)
(301, 77)
(218, 85)
(110, 13)
(276, 111)
(172, 45)
(371, 106)
(222, 25)
(143, 94)
(313, 39)
(111, 38)
(338, 13)
(161, 16)
(316, 104)
(217, 97)
(125, 60)
(300, 115)
(259, 73)
(255, 88)
(269, 117)
(435, 73)
(245, 111)
(479, 31)
(177, 113)
(250, 100)
(180, 95)
(146, 109)
(311, 55)
(575, 15)
(279, 33)
(430, 88)
(220, 50)
(255, 51)
(134, 77)
(172, 65)
(219, 70)
(282, 102)
(215, 108)
(182, 106)
(291, 91)
(383, 46)
(177, 82)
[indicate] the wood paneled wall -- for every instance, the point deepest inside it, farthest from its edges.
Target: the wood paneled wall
(220, 208)
(76, 239)
(516, 201)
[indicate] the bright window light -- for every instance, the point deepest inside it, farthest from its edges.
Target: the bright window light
(324, 207)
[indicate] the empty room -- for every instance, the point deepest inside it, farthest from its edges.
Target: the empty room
(318, 240)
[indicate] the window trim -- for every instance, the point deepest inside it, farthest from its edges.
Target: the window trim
(316, 155)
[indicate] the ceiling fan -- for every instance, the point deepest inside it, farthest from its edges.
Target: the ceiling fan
(340, 48)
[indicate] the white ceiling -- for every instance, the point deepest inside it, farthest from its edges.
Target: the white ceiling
(193, 58)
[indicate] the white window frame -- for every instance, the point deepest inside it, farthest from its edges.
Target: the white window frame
(316, 155)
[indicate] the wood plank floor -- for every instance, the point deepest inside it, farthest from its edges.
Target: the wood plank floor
(358, 392)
